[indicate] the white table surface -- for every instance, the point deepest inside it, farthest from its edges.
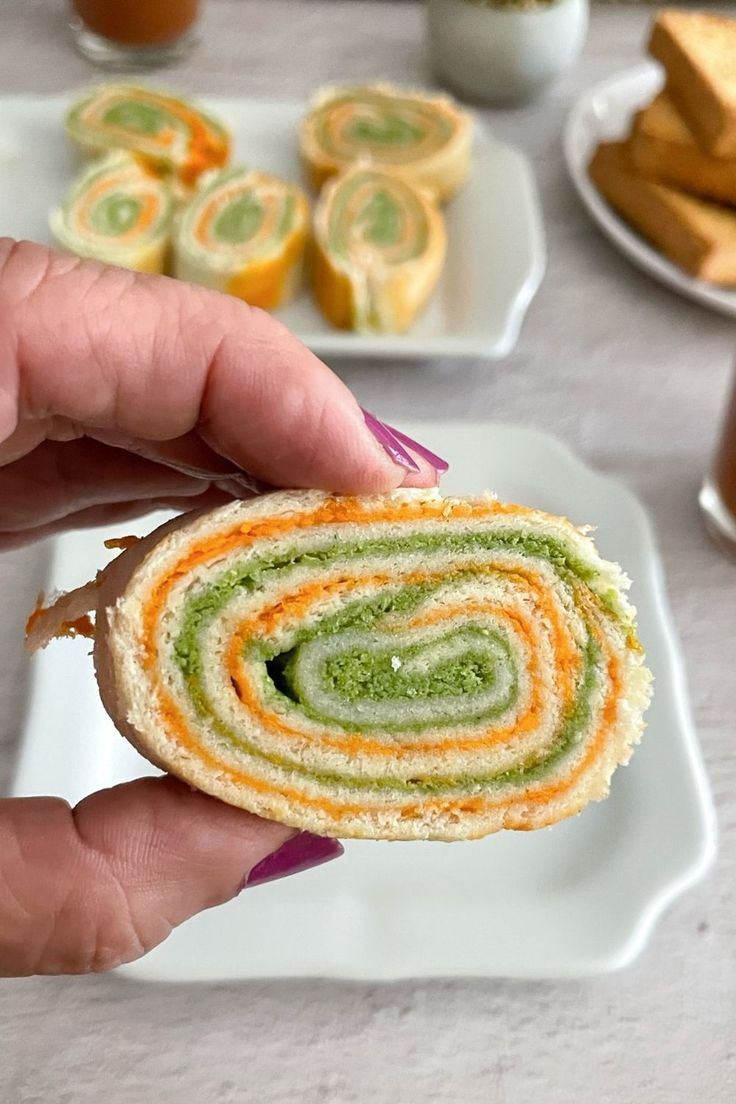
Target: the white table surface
(634, 379)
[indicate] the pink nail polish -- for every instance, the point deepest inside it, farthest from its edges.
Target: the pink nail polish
(299, 853)
(432, 458)
(389, 443)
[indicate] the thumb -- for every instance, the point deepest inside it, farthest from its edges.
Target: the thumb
(90, 888)
(109, 351)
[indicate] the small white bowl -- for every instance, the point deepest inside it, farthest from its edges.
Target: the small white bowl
(504, 55)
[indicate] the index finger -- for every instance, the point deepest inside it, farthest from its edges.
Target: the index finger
(108, 349)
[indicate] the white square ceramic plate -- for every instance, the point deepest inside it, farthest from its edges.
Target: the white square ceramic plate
(579, 898)
(495, 257)
(603, 114)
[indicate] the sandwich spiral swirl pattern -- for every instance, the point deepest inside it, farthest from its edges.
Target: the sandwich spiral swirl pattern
(379, 249)
(244, 233)
(117, 212)
(427, 137)
(403, 666)
(170, 134)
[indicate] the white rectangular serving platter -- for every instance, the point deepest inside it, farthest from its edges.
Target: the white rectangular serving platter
(495, 259)
(576, 899)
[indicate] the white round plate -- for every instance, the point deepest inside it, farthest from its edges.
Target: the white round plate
(603, 113)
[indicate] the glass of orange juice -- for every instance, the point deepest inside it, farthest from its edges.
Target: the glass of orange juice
(134, 34)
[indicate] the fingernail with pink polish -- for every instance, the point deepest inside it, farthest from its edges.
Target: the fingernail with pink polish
(432, 458)
(389, 443)
(299, 853)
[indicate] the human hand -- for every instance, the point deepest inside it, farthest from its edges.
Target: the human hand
(119, 394)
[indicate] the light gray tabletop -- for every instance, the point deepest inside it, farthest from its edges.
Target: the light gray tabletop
(633, 378)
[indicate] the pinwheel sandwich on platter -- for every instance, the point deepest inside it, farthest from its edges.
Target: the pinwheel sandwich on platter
(119, 212)
(162, 195)
(166, 132)
(427, 138)
(379, 247)
(244, 233)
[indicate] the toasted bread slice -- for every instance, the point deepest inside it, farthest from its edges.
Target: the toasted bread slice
(697, 235)
(663, 148)
(697, 50)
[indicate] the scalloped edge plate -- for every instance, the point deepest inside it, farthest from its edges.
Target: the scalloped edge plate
(496, 251)
(579, 898)
(603, 113)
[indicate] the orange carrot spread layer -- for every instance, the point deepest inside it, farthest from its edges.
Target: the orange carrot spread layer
(303, 600)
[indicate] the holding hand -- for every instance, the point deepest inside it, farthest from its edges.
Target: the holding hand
(120, 394)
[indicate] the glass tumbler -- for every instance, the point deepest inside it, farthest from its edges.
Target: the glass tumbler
(134, 34)
(718, 493)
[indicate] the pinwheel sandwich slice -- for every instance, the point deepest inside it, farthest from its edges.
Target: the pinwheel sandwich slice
(404, 666)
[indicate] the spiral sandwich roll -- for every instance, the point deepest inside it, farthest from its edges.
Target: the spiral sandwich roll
(167, 132)
(118, 212)
(427, 137)
(402, 667)
(380, 246)
(245, 233)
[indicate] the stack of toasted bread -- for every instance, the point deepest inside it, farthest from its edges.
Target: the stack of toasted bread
(674, 177)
